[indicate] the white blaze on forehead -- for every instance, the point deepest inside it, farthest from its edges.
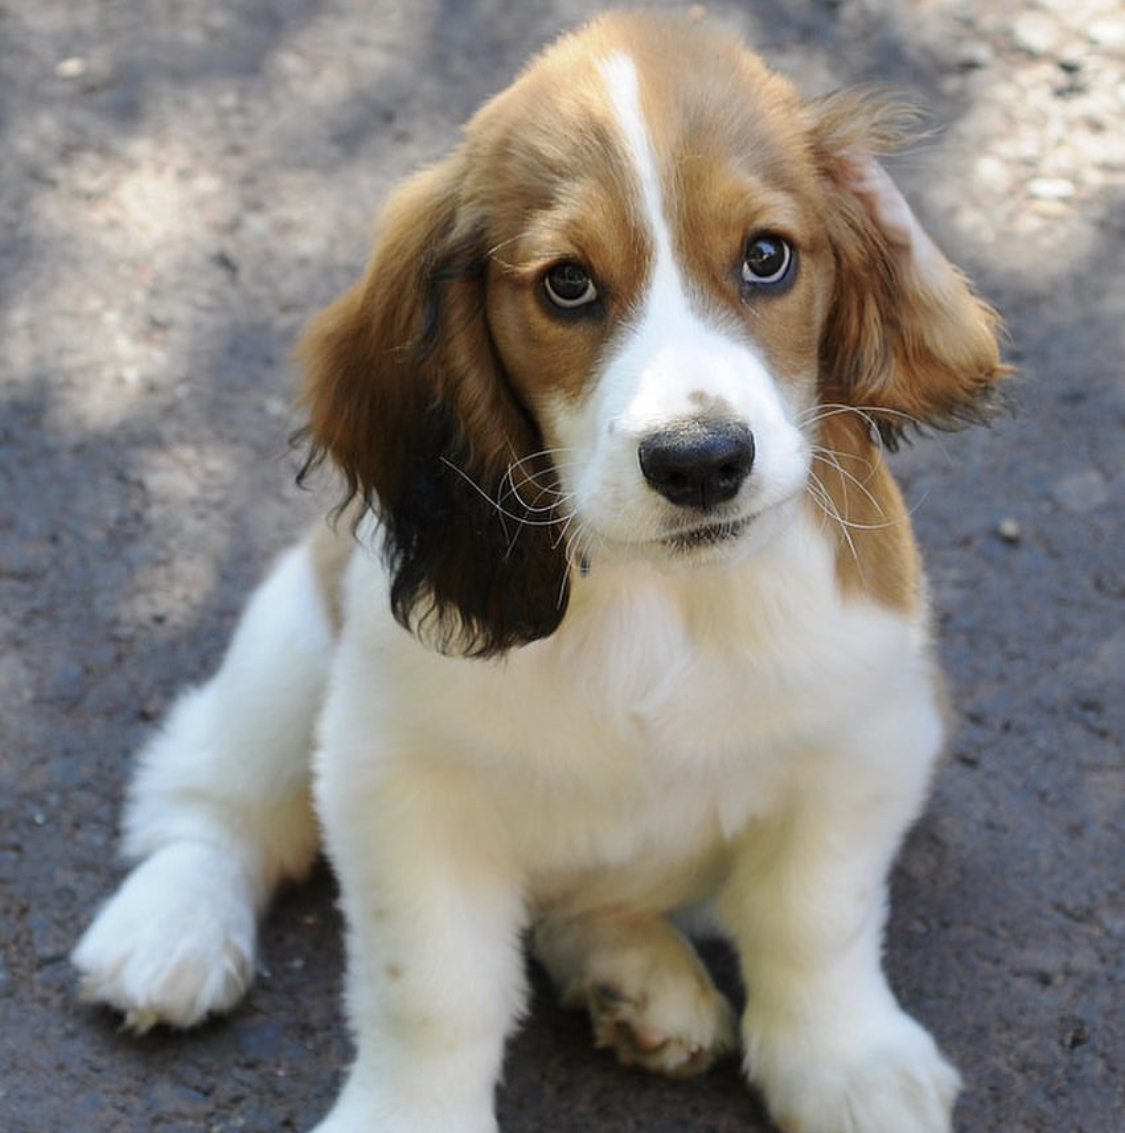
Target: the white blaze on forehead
(619, 73)
(670, 349)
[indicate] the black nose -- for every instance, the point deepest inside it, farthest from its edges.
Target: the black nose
(699, 463)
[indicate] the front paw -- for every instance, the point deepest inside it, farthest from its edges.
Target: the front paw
(175, 943)
(670, 1029)
(888, 1078)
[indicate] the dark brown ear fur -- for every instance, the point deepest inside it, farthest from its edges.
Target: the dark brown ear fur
(907, 340)
(405, 394)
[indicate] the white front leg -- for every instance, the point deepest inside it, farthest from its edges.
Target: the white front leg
(435, 974)
(824, 1038)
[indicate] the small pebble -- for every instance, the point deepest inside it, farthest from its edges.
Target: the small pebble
(1036, 33)
(72, 68)
(992, 172)
(1051, 189)
(1009, 530)
(1109, 31)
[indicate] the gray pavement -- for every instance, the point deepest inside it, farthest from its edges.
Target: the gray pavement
(181, 184)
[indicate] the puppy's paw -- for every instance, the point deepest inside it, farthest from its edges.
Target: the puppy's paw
(650, 998)
(673, 1027)
(887, 1079)
(175, 943)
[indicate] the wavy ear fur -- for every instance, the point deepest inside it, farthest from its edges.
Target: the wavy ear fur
(906, 340)
(406, 395)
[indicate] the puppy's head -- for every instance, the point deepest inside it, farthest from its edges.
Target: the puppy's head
(604, 327)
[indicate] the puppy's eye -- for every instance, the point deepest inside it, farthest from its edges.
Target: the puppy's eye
(767, 261)
(568, 286)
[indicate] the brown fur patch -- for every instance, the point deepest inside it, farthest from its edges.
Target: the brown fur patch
(861, 508)
(907, 340)
(407, 396)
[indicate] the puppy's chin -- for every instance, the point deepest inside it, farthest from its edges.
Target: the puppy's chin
(709, 544)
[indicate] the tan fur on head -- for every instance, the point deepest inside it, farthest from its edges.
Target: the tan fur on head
(427, 382)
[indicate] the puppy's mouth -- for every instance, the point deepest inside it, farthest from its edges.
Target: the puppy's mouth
(707, 535)
(690, 541)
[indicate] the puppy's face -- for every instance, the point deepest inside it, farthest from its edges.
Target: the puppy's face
(609, 323)
(662, 311)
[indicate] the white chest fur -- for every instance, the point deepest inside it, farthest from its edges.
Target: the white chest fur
(667, 710)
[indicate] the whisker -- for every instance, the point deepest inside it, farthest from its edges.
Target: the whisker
(543, 479)
(819, 413)
(820, 494)
(548, 453)
(822, 411)
(853, 524)
(543, 491)
(579, 547)
(535, 475)
(852, 457)
(850, 524)
(496, 504)
(564, 530)
(832, 458)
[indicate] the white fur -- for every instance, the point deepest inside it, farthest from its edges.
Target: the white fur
(218, 813)
(739, 734)
(603, 768)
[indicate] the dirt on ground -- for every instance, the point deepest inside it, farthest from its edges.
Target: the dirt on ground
(182, 182)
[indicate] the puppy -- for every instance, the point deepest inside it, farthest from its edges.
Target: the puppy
(634, 623)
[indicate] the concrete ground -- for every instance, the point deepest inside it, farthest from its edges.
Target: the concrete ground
(182, 183)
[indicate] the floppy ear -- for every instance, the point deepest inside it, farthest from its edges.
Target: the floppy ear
(405, 394)
(906, 338)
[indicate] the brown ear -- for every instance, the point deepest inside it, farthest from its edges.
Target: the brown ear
(405, 394)
(906, 339)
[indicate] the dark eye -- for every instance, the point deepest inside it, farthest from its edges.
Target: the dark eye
(767, 260)
(568, 285)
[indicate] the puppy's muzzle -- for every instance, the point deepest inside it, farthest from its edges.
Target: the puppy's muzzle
(698, 464)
